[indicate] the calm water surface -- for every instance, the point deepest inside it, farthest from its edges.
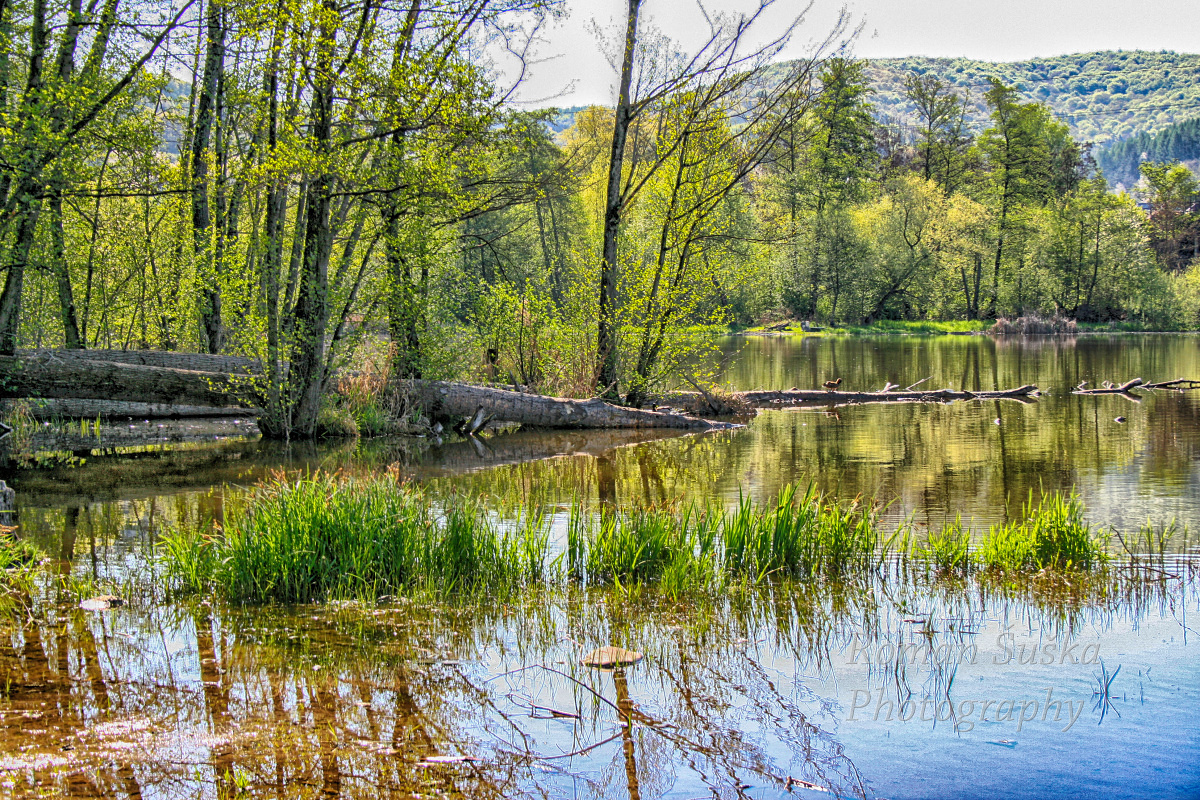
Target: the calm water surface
(897, 687)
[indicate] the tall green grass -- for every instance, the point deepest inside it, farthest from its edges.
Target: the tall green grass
(797, 535)
(1051, 534)
(324, 537)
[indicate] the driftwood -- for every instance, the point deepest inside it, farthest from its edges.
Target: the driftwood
(1109, 388)
(811, 397)
(445, 400)
(1179, 385)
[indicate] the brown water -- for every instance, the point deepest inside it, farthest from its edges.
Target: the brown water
(884, 688)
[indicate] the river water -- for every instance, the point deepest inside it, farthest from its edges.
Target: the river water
(899, 686)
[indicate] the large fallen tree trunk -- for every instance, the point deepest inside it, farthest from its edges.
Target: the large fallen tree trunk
(74, 408)
(198, 362)
(443, 400)
(48, 375)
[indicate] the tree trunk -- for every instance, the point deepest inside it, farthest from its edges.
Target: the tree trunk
(449, 401)
(196, 362)
(207, 266)
(51, 376)
(311, 314)
(606, 352)
(62, 272)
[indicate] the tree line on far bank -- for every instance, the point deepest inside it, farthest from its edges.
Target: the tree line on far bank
(317, 184)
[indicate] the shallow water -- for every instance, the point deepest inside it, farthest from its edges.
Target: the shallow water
(736, 695)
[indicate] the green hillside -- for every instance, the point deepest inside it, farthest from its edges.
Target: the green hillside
(1178, 142)
(1103, 96)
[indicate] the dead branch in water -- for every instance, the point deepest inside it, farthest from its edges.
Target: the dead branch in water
(810, 397)
(1109, 388)
(1177, 385)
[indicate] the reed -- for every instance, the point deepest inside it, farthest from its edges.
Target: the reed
(947, 550)
(325, 537)
(806, 535)
(329, 537)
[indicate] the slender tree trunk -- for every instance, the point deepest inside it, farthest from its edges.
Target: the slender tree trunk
(62, 273)
(207, 264)
(306, 371)
(27, 202)
(606, 352)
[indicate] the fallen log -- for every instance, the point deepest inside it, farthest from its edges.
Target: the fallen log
(198, 362)
(821, 397)
(75, 408)
(49, 375)
(1109, 388)
(446, 401)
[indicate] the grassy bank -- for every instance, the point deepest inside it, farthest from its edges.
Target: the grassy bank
(324, 537)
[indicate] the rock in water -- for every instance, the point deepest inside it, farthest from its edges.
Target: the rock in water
(102, 603)
(608, 657)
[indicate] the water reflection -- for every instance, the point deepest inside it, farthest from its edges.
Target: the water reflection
(769, 692)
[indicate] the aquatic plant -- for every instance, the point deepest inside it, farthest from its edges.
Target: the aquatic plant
(18, 562)
(947, 550)
(806, 536)
(1052, 534)
(325, 537)
(330, 537)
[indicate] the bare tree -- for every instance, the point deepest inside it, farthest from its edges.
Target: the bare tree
(727, 73)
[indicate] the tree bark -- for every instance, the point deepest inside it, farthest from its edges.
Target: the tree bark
(52, 376)
(446, 400)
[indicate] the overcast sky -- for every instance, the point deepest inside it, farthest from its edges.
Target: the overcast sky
(574, 72)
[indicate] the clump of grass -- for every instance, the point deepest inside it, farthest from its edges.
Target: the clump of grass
(1052, 534)
(325, 537)
(798, 535)
(947, 550)
(335, 421)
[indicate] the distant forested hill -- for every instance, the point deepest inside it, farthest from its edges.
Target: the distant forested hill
(1106, 97)
(1178, 142)
(1103, 96)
